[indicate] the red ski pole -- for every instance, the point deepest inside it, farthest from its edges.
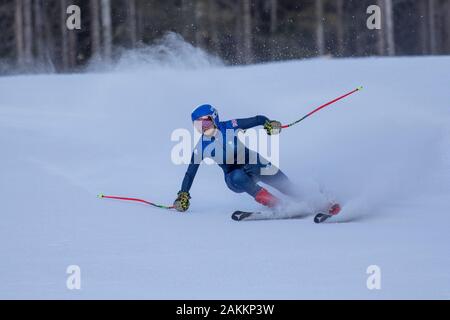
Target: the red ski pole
(322, 106)
(136, 200)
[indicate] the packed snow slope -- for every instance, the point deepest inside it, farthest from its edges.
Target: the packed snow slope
(383, 152)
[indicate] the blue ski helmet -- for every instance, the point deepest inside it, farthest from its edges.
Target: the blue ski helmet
(206, 110)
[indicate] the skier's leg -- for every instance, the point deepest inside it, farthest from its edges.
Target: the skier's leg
(318, 201)
(280, 182)
(264, 171)
(239, 181)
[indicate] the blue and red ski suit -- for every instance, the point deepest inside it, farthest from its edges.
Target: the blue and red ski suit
(242, 177)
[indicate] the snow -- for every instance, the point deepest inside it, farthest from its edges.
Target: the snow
(383, 152)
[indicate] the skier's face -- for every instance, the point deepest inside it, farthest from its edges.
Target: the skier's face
(206, 126)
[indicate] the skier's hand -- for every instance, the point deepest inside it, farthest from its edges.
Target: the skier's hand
(181, 203)
(272, 127)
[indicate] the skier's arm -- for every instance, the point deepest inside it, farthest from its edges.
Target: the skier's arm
(182, 201)
(271, 126)
(189, 176)
(247, 123)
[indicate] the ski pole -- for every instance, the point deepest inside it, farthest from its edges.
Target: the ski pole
(322, 106)
(101, 196)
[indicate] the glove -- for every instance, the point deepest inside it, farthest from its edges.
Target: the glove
(181, 203)
(272, 127)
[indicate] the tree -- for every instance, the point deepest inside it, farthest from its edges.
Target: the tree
(132, 22)
(50, 43)
(423, 30)
(320, 36)
(247, 47)
(241, 31)
(389, 27)
(39, 31)
(69, 48)
(64, 36)
(273, 16)
(340, 26)
(107, 29)
(432, 26)
(213, 17)
(200, 22)
(381, 34)
(187, 11)
(95, 28)
(446, 19)
(28, 32)
(73, 47)
(18, 32)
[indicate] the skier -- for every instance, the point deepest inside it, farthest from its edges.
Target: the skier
(238, 177)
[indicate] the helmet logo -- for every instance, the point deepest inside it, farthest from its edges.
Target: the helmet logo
(214, 112)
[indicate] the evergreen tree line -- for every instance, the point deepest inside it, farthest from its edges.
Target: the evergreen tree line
(34, 34)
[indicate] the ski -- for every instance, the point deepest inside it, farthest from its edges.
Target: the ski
(321, 217)
(262, 215)
(242, 215)
(272, 215)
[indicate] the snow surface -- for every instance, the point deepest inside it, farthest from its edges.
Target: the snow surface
(384, 152)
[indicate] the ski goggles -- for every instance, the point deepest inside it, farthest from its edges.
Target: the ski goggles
(204, 123)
